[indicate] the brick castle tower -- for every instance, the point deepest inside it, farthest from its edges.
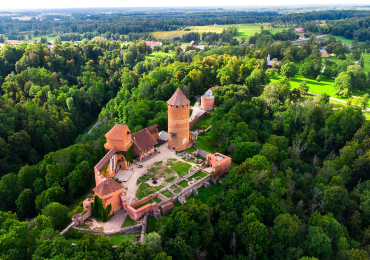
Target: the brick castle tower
(178, 121)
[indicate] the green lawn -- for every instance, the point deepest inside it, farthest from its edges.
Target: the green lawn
(158, 163)
(203, 124)
(340, 38)
(156, 199)
(117, 239)
(183, 184)
(244, 30)
(204, 142)
(144, 190)
(167, 194)
(367, 63)
(324, 86)
(199, 174)
(177, 191)
(159, 54)
(128, 222)
(181, 168)
(190, 150)
(205, 193)
(170, 179)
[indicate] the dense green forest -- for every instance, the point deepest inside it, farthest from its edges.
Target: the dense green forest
(300, 187)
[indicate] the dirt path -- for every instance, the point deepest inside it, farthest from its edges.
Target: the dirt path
(197, 109)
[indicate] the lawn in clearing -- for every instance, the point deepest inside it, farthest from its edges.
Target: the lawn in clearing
(341, 38)
(244, 30)
(183, 184)
(203, 124)
(128, 222)
(159, 54)
(170, 179)
(324, 86)
(167, 194)
(366, 68)
(117, 239)
(205, 193)
(204, 142)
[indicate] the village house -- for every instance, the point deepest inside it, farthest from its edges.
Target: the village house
(302, 37)
(152, 44)
(324, 54)
(298, 30)
(272, 63)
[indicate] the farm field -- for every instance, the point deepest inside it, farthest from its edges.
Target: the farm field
(244, 30)
(341, 38)
(159, 54)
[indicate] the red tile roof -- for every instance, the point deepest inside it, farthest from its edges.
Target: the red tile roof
(106, 159)
(214, 87)
(106, 187)
(144, 140)
(152, 128)
(178, 99)
(118, 132)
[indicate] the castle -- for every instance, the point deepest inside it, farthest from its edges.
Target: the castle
(123, 147)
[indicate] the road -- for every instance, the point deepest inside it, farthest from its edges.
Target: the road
(197, 109)
(319, 36)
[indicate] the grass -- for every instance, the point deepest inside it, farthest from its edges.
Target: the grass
(167, 194)
(128, 222)
(117, 239)
(177, 191)
(170, 179)
(183, 184)
(366, 63)
(84, 226)
(159, 54)
(168, 170)
(144, 190)
(244, 30)
(192, 161)
(203, 124)
(152, 170)
(204, 142)
(173, 187)
(340, 38)
(199, 174)
(200, 157)
(205, 193)
(181, 168)
(190, 150)
(156, 199)
(158, 163)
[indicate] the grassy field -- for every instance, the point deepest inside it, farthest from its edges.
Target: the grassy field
(128, 222)
(117, 239)
(167, 194)
(324, 86)
(205, 193)
(183, 184)
(156, 199)
(367, 63)
(244, 30)
(203, 124)
(199, 174)
(204, 142)
(340, 38)
(159, 54)
(181, 168)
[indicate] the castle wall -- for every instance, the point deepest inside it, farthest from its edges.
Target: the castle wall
(178, 122)
(207, 103)
(113, 199)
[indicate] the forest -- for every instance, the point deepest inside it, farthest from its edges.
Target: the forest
(299, 187)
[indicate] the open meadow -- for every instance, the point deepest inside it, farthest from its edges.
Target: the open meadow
(244, 30)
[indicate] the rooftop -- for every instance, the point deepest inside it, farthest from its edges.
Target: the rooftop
(106, 187)
(106, 158)
(144, 140)
(178, 99)
(208, 97)
(118, 132)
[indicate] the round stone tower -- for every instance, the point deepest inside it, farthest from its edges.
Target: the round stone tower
(178, 121)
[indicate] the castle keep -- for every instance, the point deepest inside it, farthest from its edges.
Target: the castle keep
(178, 122)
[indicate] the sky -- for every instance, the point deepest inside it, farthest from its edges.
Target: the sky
(52, 4)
